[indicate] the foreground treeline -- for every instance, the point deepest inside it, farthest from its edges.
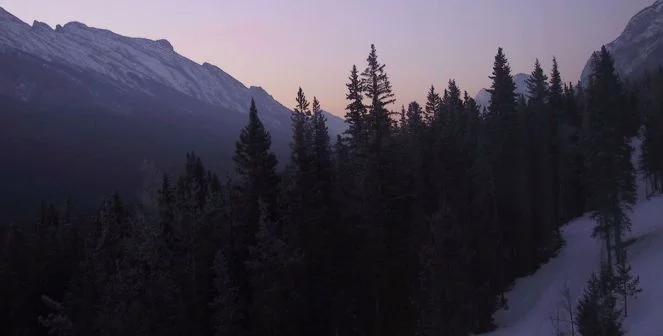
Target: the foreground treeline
(410, 225)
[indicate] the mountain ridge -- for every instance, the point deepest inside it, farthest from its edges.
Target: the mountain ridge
(132, 60)
(82, 106)
(639, 48)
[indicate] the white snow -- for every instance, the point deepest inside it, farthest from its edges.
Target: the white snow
(535, 299)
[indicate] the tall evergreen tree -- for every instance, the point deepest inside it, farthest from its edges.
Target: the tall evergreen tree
(377, 88)
(301, 138)
(356, 114)
(256, 168)
(651, 162)
(611, 174)
(597, 310)
(556, 92)
(255, 197)
(500, 151)
(433, 102)
(542, 124)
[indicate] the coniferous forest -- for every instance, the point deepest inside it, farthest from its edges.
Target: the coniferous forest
(415, 221)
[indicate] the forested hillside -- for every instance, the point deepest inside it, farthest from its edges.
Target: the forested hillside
(410, 223)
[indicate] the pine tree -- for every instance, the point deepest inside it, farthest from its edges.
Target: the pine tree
(597, 313)
(226, 315)
(503, 101)
(501, 152)
(555, 100)
(611, 174)
(556, 93)
(414, 121)
(270, 265)
(651, 162)
(377, 88)
(537, 86)
(256, 168)
(572, 161)
(627, 285)
(542, 124)
(255, 197)
(433, 104)
(356, 114)
(301, 137)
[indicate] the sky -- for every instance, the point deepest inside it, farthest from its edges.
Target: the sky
(284, 44)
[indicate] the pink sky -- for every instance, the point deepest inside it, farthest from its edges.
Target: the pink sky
(281, 45)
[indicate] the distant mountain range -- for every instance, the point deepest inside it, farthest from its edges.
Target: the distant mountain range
(84, 110)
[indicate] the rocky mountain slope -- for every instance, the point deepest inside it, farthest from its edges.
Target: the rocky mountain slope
(640, 47)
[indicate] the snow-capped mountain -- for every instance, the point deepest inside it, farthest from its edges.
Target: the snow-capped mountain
(483, 96)
(82, 109)
(128, 61)
(640, 47)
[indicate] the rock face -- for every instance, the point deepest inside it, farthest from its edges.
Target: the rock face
(640, 47)
(83, 109)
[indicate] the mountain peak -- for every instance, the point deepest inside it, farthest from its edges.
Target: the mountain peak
(7, 16)
(37, 25)
(639, 48)
(166, 44)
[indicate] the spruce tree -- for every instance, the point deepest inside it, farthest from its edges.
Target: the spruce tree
(377, 88)
(301, 137)
(537, 86)
(597, 312)
(255, 197)
(356, 114)
(555, 101)
(500, 151)
(651, 162)
(225, 319)
(542, 158)
(611, 174)
(433, 102)
(556, 90)
(255, 166)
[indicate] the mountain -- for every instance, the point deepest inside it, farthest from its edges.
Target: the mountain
(83, 111)
(483, 96)
(640, 46)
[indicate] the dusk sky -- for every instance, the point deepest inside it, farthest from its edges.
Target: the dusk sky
(281, 45)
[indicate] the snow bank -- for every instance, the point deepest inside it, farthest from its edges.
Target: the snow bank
(535, 299)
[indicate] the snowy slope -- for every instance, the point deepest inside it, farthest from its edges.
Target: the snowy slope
(483, 96)
(640, 46)
(536, 298)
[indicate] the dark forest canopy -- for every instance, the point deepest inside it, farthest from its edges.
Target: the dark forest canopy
(410, 225)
